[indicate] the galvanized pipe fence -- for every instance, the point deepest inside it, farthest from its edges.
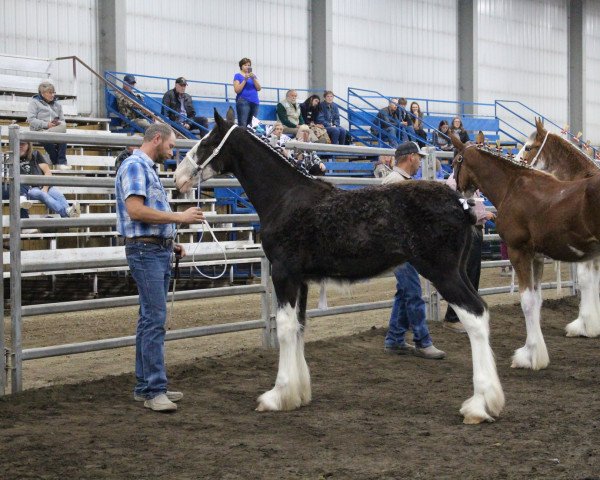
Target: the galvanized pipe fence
(12, 359)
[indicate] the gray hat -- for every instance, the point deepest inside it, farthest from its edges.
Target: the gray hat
(409, 147)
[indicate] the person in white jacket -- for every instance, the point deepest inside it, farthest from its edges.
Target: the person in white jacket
(45, 113)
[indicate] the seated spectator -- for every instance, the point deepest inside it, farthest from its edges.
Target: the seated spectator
(122, 156)
(289, 113)
(246, 87)
(384, 166)
(278, 139)
(407, 131)
(310, 160)
(458, 129)
(180, 108)
(417, 119)
(441, 140)
(34, 163)
(45, 113)
(127, 108)
(387, 123)
(329, 117)
(310, 110)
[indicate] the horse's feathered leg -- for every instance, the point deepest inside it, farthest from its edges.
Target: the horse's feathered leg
(587, 323)
(286, 394)
(529, 269)
(488, 399)
(303, 372)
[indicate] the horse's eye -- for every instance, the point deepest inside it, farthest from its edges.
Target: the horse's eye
(528, 148)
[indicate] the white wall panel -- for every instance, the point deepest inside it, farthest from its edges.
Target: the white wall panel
(405, 48)
(591, 41)
(50, 29)
(522, 54)
(205, 41)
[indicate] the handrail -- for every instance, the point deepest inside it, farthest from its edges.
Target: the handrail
(75, 58)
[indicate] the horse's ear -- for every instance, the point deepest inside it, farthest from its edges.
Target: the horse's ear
(539, 125)
(219, 122)
(230, 115)
(456, 142)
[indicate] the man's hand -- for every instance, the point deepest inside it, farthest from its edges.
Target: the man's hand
(179, 250)
(45, 189)
(191, 215)
(186, 125)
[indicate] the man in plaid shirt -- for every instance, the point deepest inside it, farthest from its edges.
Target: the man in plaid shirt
(145, 219)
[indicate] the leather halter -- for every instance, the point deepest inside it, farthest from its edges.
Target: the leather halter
(458, 160)
(539, 150)
(215, 152)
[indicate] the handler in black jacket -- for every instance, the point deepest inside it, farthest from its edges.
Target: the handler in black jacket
(181, 102)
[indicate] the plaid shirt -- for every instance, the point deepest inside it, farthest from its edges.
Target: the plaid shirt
(137, 176)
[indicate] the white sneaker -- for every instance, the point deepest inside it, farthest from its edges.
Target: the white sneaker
(173, 396)
(24, 202)
(160, 403)
(65, 167)
(29, 231)
(74, 211)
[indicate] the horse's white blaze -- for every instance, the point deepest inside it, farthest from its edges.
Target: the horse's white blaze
(534, 354)
(587, 324)
(488, 399)
(576, 251)
(292, 386)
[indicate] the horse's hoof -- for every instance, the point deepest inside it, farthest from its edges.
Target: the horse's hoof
(474, 410)
(475, 420)
(576, 329)
(268, 402)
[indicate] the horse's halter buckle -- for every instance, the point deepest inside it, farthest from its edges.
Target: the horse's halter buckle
(198, 168)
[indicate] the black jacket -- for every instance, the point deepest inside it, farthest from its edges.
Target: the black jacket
(171, 100)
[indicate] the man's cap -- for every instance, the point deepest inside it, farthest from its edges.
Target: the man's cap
(410, 147)
(130, 79)
(181, 81)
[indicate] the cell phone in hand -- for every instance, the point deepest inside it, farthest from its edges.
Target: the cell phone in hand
(249, 69)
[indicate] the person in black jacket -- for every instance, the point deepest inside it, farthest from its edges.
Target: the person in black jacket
(183, 107)
(457, 129)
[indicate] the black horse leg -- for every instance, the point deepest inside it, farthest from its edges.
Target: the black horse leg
(292, 386)
(445, 273)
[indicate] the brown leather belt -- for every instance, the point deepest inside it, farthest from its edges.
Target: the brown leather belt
(164, 242)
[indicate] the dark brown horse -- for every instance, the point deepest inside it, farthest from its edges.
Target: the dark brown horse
(551, 153)
(537, 214)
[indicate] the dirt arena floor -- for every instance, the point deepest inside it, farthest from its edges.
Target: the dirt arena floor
(373, 416)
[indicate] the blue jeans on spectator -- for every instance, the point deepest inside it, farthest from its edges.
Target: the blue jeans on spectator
(150, 267)
(390, 135)
(407, 133)
(245, 111)
(337, 135)
(408, 310)
(54, 199)
(57, 152)
(24, 213)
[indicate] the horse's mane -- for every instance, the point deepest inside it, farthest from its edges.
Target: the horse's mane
(574, 154)
(264, 140)
(505, 158)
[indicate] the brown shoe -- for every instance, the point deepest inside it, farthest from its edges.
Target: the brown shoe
(456, 327)
(430, 353)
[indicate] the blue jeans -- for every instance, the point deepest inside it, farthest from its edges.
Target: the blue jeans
(54, 199)
(408, 310)
(337, 135)
(390, 135)
(245, 111)
(57, 152)
(150, 267)
(407, 133)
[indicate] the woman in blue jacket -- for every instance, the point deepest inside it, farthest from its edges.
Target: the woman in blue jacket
(329, 117)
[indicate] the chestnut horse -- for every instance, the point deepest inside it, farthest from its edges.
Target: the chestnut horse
(537, 214)
(313, 231)
(551, 153)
